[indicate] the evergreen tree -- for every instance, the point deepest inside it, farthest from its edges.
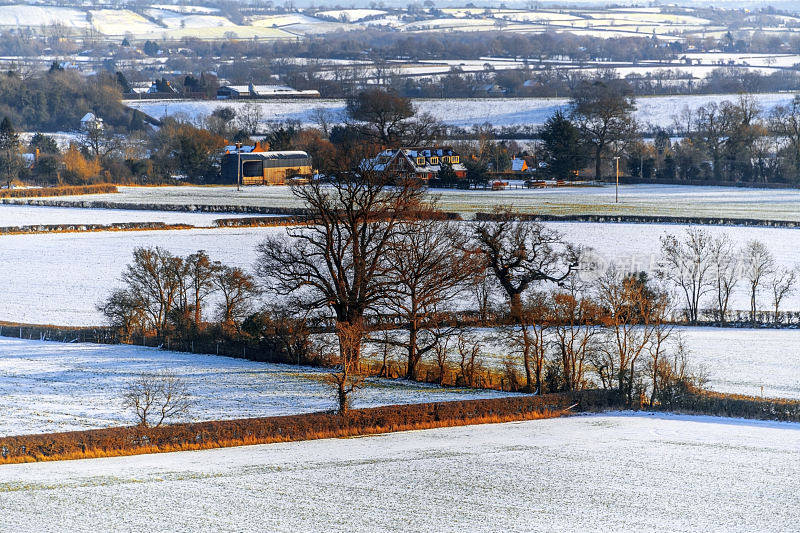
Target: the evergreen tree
(563, 150)
(10, 160)
(446, 174)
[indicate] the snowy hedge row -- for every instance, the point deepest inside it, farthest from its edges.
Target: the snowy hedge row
(80, 228)
(648, 219)
(127, 440)
(192, 208)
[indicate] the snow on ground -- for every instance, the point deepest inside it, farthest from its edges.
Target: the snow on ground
(50, 386)
(60, 278)
(754, 362)
(464, 112)
(23, 215)
(352, 15)
(37, 16)
(93, 262)
(610, 472)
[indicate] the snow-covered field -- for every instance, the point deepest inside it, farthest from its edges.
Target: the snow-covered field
(464, 112)
(50, 386)
(610, 472)
(674, 200)
(59, 278)
(23, 215)
(747, 361)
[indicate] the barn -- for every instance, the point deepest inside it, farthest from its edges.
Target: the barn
(265, 168)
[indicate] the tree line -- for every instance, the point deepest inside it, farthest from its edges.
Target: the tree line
(377, 271)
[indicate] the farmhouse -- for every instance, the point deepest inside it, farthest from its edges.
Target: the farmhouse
(263, 167)
(263, 91)
(422, 162)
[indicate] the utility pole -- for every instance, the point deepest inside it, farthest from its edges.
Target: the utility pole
(238, 166)
(616, 192)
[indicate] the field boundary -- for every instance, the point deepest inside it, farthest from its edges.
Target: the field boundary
(135, 440)
(645, 219)
(190, 208)
(68, 190)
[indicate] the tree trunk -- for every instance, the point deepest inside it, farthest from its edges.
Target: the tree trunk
(413, 355)
(598, 162)
(526, 360)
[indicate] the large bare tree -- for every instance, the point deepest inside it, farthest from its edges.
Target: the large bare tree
(521, 253)
(338, 261)
(635, 313)
(725, 272)
(431, 264)
(603, 112)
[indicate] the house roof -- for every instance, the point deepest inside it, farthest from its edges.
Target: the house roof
(384, 159)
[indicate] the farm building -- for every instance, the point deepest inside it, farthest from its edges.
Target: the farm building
(264, 167)
(263, 91)
(423, 162)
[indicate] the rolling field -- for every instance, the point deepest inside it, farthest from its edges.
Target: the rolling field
(49, 386)
(59, 278)
(610, 472)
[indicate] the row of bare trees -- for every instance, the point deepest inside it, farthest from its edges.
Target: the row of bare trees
(166, 293)
(705, 269)
(380, 249)
(380, 263)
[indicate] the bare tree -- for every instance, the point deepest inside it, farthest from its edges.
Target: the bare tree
(576, 320)
(157, 397)
(441, 351)
(782, 284)
(237, 289)
(725, 272)
(249, 118)
(125, 311)
(323, 119)
(470, 359)
(529, 338)
(347, 377)
(757, 264)
(155, 277)
(603, 112)
(431, 264)
(521, 253)
(482, 288)
(634, 310)
(338, 260)
(688, 264)
(201, 271)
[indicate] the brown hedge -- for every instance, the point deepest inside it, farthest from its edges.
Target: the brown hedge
(736, 405)
(98, 188)
(133, 440)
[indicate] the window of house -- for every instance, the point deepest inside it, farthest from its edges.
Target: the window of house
(434, 160)
(445, 159)
(454, 159)
(420, 161)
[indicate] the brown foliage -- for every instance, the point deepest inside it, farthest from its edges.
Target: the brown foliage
(204, 435)
(70, 190)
